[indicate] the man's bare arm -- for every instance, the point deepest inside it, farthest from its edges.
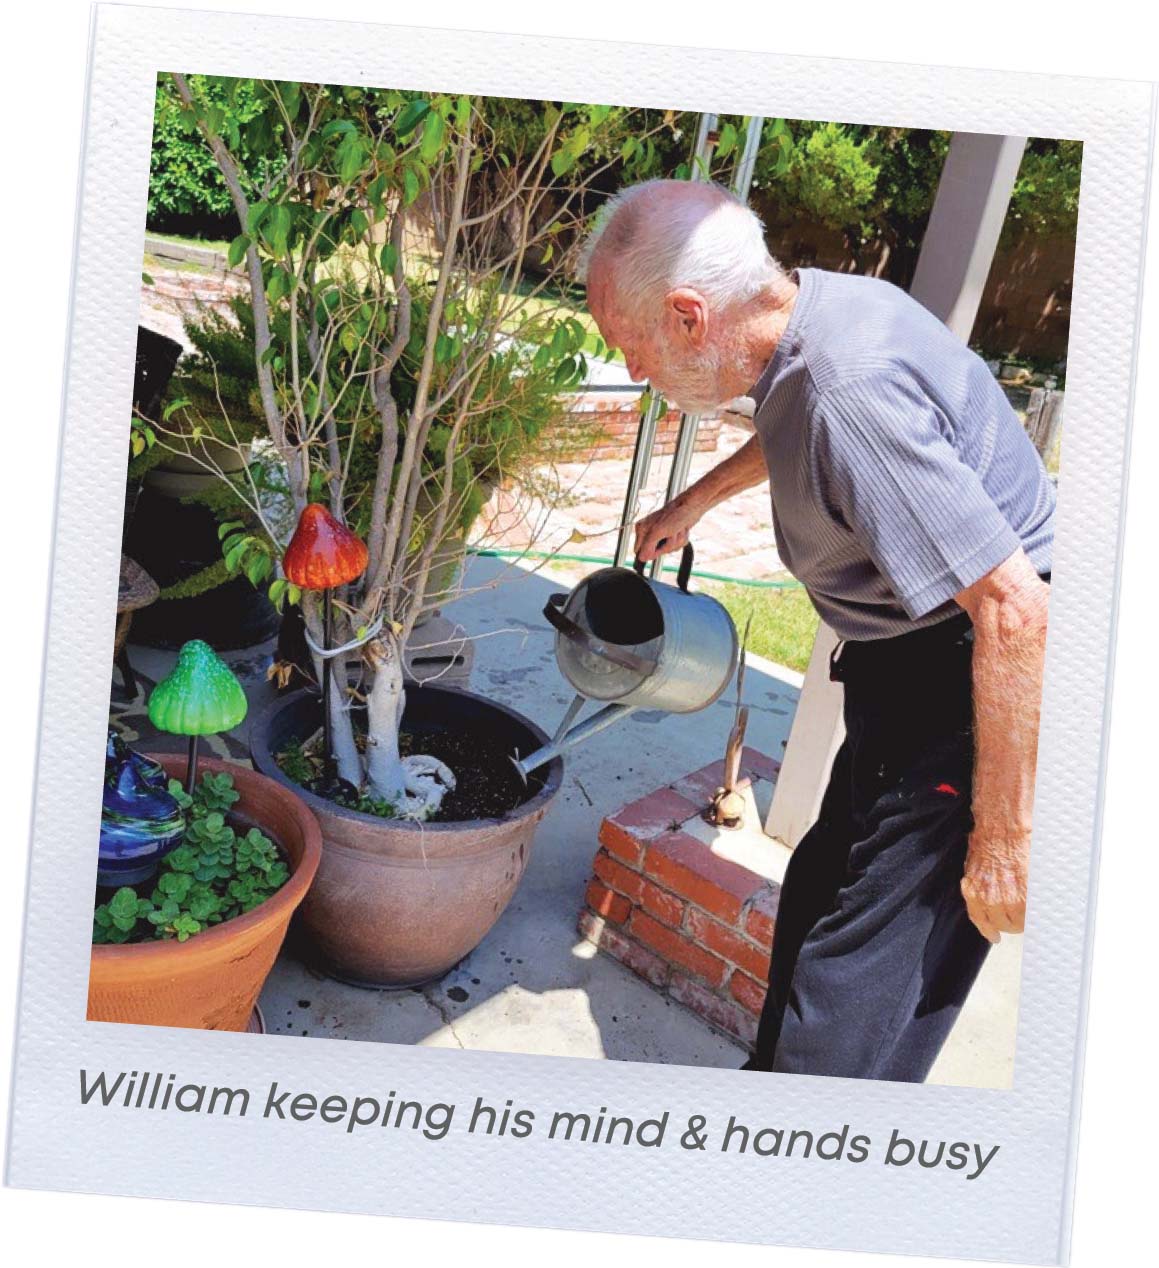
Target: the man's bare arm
(673, 523)
(1009, 610)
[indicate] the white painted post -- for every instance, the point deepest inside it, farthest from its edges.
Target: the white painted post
(957, 251)
(813, 742)
(965, 223)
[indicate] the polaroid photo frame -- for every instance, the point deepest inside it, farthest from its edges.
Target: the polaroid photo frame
(1018, 1205)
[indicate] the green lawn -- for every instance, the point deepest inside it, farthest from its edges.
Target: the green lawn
(784, 622)
(208, 244)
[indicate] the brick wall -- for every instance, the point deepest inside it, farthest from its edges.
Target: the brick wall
(599, 425)
(694, 925)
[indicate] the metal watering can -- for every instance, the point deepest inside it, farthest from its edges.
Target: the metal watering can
(639, 644)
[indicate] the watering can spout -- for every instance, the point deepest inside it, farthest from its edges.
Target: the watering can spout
(565, 739)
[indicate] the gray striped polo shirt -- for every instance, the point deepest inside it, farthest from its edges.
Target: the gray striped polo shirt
(899, 472)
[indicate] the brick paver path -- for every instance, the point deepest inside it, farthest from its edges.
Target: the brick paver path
(576, 509)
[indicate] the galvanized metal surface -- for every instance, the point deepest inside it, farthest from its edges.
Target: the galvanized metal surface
(634, 643)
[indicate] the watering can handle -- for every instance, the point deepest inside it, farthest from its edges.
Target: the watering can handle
(685, 572)
(569, 629)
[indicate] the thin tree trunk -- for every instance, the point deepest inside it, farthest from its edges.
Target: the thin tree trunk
(384, 706)
(341, 723)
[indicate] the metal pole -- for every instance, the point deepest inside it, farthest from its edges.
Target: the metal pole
(327, 632)
(191, 766)
(742, 181)
(637, 477)
(706, 138)
(743, 178)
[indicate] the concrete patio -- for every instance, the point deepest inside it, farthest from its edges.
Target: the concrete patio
(534, 985)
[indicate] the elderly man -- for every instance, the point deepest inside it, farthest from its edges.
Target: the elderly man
(908, 500)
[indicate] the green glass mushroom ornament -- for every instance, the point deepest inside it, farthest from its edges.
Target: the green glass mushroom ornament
(201, 696)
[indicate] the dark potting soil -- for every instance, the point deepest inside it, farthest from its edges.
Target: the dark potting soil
(487, 785)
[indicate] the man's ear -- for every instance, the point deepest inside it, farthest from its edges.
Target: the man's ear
(688, 310)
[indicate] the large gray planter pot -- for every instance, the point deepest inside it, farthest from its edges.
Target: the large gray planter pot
(397, 903)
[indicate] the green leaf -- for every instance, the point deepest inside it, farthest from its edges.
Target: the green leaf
(277, 288)
(233, 557)
(389, 257)
(463, 114)
(351, 157)
(411, 115)
(432, 142)
(123, 903)
(257, 213)
(280, 221)
(230, 526)
(258, 567)
(237, 250)
(410, 186)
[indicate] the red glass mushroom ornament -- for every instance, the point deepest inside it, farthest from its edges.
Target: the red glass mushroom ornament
(323, 553)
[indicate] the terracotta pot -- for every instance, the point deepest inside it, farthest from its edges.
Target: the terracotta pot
(399, 903)
(212, 981)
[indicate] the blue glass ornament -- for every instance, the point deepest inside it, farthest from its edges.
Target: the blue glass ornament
(140, 820)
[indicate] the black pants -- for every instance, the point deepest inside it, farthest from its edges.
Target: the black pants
(873, 952)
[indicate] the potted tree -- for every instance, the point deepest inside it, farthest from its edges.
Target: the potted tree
(390, 351)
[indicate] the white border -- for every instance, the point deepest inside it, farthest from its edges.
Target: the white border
(1021, 1210)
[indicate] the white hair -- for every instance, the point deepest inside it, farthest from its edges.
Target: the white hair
(664, 234)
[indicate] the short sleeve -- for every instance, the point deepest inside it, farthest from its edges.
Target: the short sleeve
(885, 466)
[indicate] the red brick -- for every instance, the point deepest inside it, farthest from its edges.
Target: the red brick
(682, 863)
(724, 1014)
(618, 877)
(677, 949)
(748, 992)
(649, 816)
(699, 786)
(620, 842)
(716, 937)
(761, 916)
(661, 904)
(758, 764)
(642, 962)
(612, 906)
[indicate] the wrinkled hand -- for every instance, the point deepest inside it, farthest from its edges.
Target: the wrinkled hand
(994, 884)
(666, 529)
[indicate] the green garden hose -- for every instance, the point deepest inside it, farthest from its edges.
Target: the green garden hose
(496, 553)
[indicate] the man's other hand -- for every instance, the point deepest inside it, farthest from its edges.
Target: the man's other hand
(994, 884)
